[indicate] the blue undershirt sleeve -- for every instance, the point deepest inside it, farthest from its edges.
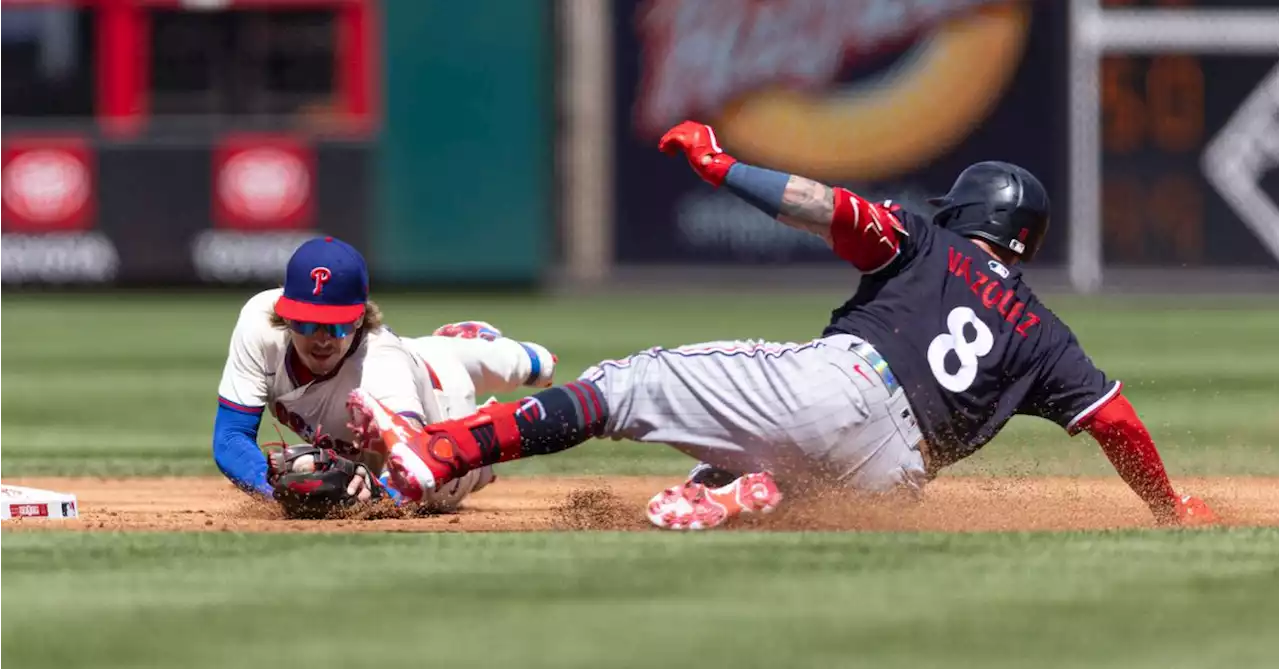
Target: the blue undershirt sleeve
(235, 449)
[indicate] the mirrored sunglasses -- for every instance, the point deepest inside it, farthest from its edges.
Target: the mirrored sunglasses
(338, 331)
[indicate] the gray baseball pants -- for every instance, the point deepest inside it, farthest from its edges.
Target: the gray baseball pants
(808, 412)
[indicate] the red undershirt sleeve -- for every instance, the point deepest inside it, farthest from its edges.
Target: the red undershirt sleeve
(1131, 450)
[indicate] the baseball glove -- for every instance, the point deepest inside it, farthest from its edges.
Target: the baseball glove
(311, 482)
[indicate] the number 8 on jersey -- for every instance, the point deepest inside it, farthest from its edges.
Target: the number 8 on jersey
(967, 350)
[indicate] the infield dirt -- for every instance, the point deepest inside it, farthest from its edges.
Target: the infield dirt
(617, 503)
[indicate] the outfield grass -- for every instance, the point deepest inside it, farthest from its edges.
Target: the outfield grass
(1110, 599)
(127, 384)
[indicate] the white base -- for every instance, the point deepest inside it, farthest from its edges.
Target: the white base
(20, 502)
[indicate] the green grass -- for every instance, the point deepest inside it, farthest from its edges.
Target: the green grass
(126, 384)
(1104, 599)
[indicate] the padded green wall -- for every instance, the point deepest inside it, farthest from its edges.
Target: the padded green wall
(466, 155)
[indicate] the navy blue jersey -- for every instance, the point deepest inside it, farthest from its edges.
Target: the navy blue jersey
(969, 341)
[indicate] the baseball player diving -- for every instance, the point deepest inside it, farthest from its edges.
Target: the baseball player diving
(939, 346)
(301, 350)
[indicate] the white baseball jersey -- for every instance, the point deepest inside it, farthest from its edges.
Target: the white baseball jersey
(431, 377)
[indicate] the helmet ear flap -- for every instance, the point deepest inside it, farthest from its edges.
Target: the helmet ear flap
(958, 213)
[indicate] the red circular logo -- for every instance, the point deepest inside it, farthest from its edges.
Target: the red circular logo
(46, 185)
(264, 184)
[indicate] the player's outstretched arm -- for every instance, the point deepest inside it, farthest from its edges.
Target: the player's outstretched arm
(242, 397)
(859, 231)
(1131, 450)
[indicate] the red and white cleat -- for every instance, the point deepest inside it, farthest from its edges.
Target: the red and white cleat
(383, 431)
(694, 506)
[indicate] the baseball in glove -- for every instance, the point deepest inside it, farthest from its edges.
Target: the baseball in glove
(311, 482)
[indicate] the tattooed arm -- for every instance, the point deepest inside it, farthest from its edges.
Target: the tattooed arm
(863, 233)
(859, 231)
(809, 206)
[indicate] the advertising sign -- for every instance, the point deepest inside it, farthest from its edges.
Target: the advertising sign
(48, 187)
(263, 189)
(890, 99)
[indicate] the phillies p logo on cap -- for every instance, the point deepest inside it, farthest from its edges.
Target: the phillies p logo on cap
(322, 276)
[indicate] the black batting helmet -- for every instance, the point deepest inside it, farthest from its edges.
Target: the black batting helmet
(999, 202)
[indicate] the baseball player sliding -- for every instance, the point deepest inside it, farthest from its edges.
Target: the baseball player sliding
(301, 350)
(940, 345)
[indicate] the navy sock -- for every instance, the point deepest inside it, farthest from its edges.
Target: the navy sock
(544, 422)
(558, 418)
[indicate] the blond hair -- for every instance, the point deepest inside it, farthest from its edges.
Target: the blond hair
(372, 319)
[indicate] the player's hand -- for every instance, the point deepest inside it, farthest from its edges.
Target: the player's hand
(1188, 511)
(362, 487)
(469, 330)
(1192, 511)
(698, 143)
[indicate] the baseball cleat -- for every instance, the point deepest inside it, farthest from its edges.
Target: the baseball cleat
(694, 506)
(387, 433)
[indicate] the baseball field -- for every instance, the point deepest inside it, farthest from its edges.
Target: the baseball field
(1031, 553)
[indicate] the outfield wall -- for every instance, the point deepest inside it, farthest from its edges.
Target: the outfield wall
(511, 142)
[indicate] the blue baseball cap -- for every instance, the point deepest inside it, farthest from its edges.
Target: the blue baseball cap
(327, 282)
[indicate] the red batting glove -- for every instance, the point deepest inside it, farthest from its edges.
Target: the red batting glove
(1188, 511)
(698, 143)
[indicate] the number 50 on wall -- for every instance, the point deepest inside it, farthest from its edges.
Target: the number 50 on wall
(1162, 102)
